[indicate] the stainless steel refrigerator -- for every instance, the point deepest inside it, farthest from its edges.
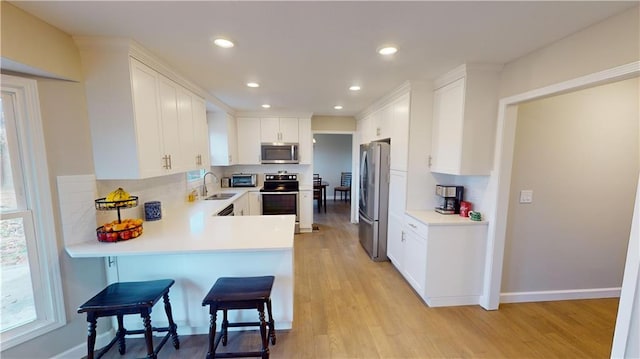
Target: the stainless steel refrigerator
(374, 199)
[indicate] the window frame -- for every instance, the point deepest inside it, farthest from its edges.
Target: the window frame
(45, 271)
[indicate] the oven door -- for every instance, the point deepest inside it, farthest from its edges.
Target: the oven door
(274, 203)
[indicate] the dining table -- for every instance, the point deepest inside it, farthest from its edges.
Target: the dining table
(322, 186)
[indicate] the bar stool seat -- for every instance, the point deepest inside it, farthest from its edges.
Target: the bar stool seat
(229, 293)
(123, 298)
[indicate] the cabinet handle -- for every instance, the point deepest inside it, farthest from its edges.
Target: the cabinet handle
(169, 161)
(402, 238)
(378, 131)
(430, 161)
(165, 158)
(229, 158)
(412, 225)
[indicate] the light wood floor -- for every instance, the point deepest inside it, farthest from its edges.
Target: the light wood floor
(347, 306)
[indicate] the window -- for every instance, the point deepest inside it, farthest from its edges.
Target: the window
(195, 175)
(32, 302)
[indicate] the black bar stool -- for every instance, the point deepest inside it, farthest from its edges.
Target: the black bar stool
(120, 299)
(229, 293)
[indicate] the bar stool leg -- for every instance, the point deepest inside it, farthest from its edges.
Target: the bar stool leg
(173, 328)
(91, 334)
(263, 332)
(272, 328)
(212, 332)
(148, 334)
(122, 346)
(225, 327)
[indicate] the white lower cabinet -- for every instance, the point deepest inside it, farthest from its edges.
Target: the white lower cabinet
(306, 210)
(443, 262)
(255, 203)
(414, 250)
(241, 206)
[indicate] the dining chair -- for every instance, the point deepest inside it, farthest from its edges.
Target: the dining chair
(345, 186)
(317, 191)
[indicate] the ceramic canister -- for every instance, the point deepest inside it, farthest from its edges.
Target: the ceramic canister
(152, 211)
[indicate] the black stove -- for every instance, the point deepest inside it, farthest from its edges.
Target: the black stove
(281, 182)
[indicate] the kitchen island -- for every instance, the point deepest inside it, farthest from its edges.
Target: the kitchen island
(194, 247)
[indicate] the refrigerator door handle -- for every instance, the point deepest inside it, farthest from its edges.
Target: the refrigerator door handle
(365, 219)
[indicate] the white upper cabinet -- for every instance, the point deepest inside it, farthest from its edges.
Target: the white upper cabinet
(223, 139)
(279, 129)
(399, 133)
(248, 140)
(142, 122)
(364, 128)
(200, 133)
(465, 106)
(170, 126)
(132, 148)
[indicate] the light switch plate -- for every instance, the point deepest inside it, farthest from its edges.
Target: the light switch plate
(526, 196)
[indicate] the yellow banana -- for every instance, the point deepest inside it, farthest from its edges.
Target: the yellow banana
(118, 195)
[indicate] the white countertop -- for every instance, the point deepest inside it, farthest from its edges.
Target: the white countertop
(435, 218)
(194, 227)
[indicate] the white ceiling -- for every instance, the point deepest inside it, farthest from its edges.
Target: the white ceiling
(306, 54)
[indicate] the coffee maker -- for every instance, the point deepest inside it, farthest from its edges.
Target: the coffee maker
(451, 196)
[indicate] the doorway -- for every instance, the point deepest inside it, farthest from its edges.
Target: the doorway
(332, 155)
(576, 156)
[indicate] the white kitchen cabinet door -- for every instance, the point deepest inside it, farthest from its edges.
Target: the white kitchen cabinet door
(188, 160)
(382, 122)
(241, 206)
(305, 149)
(201, 133)
(279, 130)
(397, 204)
(289, 130)
(365, 132)
(223, 139)
(395, 241)
(270, 129)
(465, 106)
(415, 257)
(248, 140)
(448, 117)
(306, 210)
(255, 203)
(399, 128)
(146, 106)
(168, 92)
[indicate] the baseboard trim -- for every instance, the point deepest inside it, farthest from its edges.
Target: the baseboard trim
(80, 350)
(551, 295)
(452, 301)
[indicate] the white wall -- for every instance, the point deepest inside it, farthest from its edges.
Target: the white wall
(331, 156)
(37, 45)
(578, 152)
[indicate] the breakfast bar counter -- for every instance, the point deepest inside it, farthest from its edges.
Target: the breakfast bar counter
(195, 247)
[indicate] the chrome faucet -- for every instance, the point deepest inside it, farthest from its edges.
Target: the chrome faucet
(204, 183)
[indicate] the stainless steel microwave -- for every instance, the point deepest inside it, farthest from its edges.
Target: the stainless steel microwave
(279, 153)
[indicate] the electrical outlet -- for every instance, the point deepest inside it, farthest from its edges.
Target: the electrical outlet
(526, 196)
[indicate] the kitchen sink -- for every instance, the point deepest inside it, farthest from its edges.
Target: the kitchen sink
(220, 196)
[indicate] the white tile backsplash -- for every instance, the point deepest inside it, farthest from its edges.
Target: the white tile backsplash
(77, 208)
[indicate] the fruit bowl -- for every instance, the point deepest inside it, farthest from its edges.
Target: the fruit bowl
(102, 204)
(116, 232)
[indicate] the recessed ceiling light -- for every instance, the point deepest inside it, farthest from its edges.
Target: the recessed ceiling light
(266, 105)
(354, 88)
(387, 50)
(338, 107)
(224, 43)
(253, 84)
